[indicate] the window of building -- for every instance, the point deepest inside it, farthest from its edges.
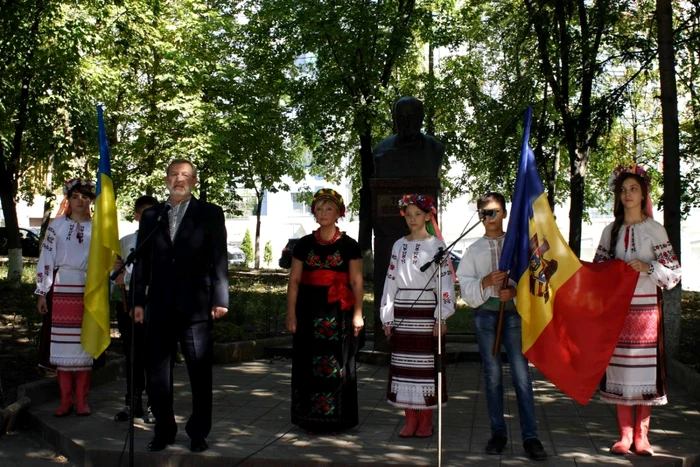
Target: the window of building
(298, 205)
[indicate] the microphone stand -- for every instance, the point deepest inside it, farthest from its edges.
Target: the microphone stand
(438, 259)
(131, 259)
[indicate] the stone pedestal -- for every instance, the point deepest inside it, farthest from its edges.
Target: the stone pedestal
(389, 226)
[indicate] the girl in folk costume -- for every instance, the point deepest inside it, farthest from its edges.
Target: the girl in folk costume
(324, 312)
(409, 311)
(60, 286)
(634, 380)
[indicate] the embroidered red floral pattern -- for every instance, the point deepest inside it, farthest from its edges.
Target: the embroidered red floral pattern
(324, 403)
(327, 328)
(326, 367)
(331, 261)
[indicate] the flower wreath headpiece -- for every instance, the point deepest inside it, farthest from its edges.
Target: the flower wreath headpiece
(424, 202)
(68, 185)
(629, 169)
(331, 195)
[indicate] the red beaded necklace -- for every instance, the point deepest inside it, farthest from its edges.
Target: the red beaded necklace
(317, 234)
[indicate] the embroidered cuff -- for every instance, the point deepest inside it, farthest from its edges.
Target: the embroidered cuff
(388, 324)
(443, 321)
(651, 269)
(40, 292)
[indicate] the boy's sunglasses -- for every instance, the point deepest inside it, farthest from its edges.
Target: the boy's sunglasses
(488, 213)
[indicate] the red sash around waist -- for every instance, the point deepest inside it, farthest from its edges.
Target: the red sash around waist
(336, 281)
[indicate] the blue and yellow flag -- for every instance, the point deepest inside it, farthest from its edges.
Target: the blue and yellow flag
(572, 311)
(104, 246)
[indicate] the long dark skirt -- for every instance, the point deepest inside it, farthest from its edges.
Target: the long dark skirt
(324, 382)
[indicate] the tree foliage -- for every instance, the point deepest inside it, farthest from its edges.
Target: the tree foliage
(258, 92)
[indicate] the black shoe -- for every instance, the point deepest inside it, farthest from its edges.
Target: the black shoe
(148, 416)
(198, 445)
(158, 444)
(496, 444)
(534, 449)
(123, 414)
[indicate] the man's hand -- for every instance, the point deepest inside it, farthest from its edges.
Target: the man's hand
(41, 306)
(507, 294)
(218, 312)
(494, 278)
(138, 314)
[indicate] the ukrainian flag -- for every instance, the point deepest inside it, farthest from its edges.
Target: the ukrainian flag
(104, 246)
(572, 311)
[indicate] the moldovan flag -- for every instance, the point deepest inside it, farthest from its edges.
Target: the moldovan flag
(104, 246)
(572, 311)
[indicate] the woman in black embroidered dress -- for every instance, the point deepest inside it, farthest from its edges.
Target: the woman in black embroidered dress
(324, 312)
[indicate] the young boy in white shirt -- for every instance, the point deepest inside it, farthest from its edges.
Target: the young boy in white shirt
(481, 284)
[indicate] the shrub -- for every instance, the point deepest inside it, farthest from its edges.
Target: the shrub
(247, 247)
(268, 253)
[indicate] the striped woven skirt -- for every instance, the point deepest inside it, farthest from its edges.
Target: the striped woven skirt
(635, 375)
(412, 374)
(67, 307)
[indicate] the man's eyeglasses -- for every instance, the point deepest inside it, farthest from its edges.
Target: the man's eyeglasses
(488, 213)
(184, 175)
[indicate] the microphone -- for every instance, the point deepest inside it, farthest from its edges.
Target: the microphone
(164, 213)
(487, 213)
(436, 258)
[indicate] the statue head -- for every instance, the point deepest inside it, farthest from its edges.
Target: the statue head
(408, 117)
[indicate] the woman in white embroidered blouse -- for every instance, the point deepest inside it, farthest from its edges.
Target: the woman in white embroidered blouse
(634, 379)
(60, 288)
(408, 312)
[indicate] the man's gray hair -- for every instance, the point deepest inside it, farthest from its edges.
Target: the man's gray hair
(182, 161)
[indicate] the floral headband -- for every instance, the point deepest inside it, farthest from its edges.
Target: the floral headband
(621, 170)
(424, 202)
(331, 195)
(68, 185)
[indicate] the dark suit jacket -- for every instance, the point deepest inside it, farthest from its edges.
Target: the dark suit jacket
(188, 277)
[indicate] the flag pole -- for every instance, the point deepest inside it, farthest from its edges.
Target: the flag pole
(499, 326)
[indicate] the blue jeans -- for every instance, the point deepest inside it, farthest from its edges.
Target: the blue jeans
(485, 323)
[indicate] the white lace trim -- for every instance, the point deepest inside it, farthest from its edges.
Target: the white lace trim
(627, 390)
(425, 390)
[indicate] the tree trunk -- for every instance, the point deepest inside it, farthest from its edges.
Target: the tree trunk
(260, 195)
(8, 180)
(671, 162)
(367, 167)
(49, 199)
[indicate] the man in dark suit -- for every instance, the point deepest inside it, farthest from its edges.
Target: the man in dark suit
(182, 280)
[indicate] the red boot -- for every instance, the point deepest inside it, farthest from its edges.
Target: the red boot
(82, 386)
(641, 430)
(625, 421)
(65, 387)
(411, 424)
(425, 427)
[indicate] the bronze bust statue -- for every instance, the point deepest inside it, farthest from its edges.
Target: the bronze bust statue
(409, 153)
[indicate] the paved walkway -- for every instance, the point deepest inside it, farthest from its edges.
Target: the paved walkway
(251, 418)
